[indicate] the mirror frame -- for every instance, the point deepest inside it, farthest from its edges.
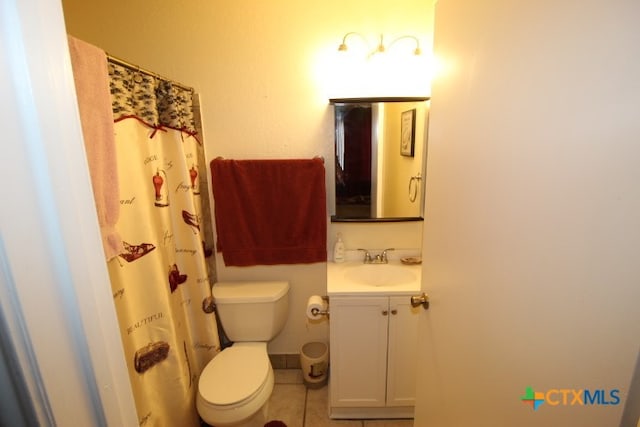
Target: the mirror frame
(371, 100)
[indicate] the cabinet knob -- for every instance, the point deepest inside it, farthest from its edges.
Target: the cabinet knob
(394, 311)
(385, 312)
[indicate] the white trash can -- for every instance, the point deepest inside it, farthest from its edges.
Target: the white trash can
(314, 361)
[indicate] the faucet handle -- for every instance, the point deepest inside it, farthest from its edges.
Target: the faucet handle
(384, 254)
(367, 255)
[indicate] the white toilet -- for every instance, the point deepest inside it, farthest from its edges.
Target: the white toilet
(235, 385)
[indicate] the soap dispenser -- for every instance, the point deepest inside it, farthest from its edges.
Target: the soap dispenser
(338, 250)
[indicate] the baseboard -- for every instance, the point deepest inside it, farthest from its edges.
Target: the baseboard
(372, 413)
(285, 361)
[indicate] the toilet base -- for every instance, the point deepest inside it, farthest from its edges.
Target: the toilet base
(259, 419)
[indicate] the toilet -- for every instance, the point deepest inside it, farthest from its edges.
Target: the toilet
(235, 385)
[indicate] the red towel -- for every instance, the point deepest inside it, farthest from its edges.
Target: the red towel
(270, 211)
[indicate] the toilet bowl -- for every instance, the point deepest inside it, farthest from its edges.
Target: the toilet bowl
(235, 385)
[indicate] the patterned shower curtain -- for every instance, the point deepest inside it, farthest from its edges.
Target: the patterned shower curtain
(161, 283)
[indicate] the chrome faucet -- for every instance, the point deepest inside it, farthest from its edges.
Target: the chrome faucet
(381, 258)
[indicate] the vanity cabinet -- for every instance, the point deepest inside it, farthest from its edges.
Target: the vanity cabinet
(373, 356)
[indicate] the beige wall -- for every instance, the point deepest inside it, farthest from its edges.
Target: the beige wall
(260, 68)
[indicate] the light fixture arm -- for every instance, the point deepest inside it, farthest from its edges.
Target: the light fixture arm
(416, 51)
(343, 45)
(380, 48)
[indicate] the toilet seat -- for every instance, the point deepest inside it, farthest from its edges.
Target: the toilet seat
(235, 376)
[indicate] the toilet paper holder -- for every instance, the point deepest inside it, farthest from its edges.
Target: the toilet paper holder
(317, 312)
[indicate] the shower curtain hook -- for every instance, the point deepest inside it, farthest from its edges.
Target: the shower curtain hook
(137, 77)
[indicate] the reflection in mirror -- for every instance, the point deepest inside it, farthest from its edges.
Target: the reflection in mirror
(380, 151)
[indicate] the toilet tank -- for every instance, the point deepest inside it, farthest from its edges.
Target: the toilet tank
(252, 310)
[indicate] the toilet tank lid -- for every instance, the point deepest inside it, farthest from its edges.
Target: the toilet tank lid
(249, 291)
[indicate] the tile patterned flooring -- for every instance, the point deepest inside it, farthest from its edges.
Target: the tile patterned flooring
(292, 403)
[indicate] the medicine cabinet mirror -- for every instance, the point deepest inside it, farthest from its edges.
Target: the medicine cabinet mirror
(380, 153)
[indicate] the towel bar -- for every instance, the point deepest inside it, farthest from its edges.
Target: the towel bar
(315, 157)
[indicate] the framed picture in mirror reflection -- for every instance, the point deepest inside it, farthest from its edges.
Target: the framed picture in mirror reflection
(408, 132)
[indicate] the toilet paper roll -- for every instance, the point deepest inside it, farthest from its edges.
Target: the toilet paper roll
(316, 307)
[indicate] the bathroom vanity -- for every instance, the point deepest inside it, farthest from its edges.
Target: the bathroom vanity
(373, 339)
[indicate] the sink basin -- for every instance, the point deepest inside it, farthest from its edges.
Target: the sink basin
(379, 274)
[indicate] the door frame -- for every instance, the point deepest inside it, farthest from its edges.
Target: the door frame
(61, 317)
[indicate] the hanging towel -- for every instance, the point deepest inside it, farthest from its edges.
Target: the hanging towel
(270, 211)
(91, 78)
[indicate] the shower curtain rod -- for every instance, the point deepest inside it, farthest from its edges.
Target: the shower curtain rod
(134, 67)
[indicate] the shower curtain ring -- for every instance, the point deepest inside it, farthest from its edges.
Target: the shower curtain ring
(137, 76)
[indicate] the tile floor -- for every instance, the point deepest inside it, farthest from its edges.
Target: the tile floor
(295, 405)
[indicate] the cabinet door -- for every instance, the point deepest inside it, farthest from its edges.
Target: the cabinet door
(403, 363)
(358, 339)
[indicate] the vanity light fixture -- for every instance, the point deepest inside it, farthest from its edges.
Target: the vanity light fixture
(380, 48)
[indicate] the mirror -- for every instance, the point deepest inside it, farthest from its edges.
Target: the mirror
(380, 152)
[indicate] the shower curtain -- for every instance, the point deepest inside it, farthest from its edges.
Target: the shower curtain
(161, 282)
